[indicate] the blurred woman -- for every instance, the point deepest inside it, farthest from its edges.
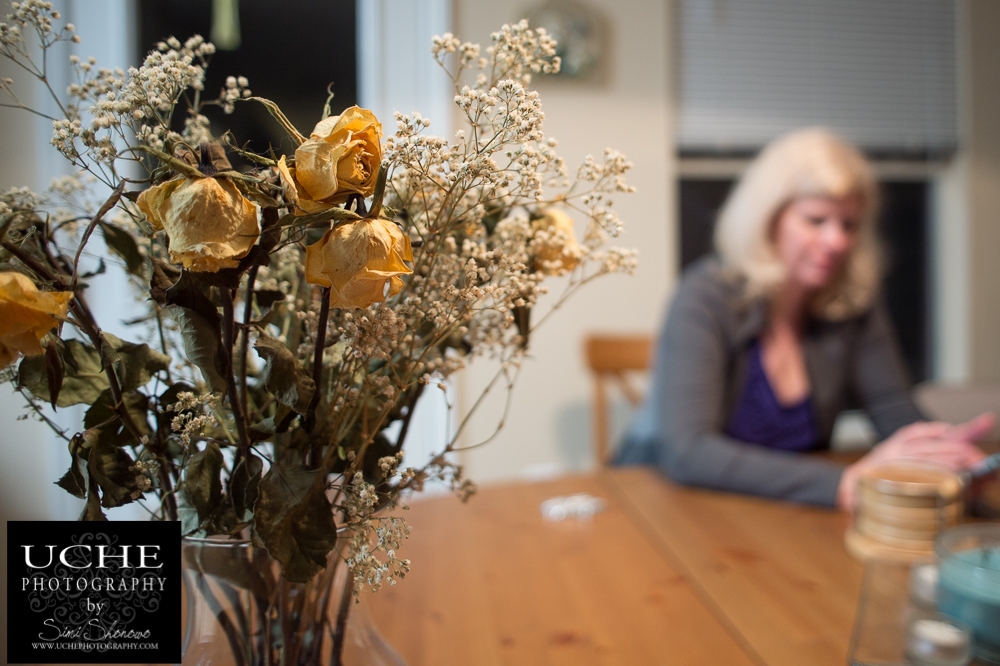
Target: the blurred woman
(766, 340)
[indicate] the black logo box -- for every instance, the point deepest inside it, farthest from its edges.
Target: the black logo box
(94, 592)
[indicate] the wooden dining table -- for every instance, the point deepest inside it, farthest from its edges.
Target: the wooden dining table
(663, 575)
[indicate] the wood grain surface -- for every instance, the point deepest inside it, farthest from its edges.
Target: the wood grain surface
(776, 571)
(494, 583)
(665, 575)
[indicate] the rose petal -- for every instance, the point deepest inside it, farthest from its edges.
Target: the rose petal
(209, 223)
(555, 250)
(288, 185)
(316, 166)
(340, 157)
(26, 315)
(356, 259)
(152, 201)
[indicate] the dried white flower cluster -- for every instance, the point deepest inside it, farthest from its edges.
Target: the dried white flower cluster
(103, 107)
(145, 471)
(32, 16)
(471, 203)
(192, 416)
(371, 537)
(455, 249)
(517, 52)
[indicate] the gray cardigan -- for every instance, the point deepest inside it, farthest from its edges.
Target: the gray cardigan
(699, 373)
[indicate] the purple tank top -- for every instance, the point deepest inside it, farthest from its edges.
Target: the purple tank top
(759, 418)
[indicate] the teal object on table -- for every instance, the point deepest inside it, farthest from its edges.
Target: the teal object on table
(969, 583)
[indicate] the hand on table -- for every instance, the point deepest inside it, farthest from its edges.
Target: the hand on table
(934, 442)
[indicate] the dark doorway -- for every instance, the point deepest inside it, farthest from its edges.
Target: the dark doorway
(290, 51)
(903, 230)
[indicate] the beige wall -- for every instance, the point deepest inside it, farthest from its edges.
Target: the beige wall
(979, 21)
(23, 444)
(26, 442)
(966, 239)
(548, 427)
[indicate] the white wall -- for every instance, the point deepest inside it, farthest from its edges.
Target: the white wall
(31, 457)
(967, 211)
(397, 73)
(548, 429)
(980, 161)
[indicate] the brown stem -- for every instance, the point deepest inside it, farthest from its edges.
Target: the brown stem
(31, 262)
(234, 398)
(90, 328)
(376, 209)
(245, 339)
(359, 204)
(163, 339)
(50, 240)
(168, 489)
(324, 318)
(108, 205)
(323, 605)
(93, 331)
(342, 613)
(410, 406)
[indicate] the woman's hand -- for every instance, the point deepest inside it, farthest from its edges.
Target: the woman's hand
(934, 442)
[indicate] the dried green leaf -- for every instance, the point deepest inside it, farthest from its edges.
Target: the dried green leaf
(134, 364)
(294, 520)
(92, 509)
(243, 485)
(190, 294)
(266, 298)
(262, 430)
(73, 481)
(83, 375)
(163, 277)
(282, 376)
(114, 471)
(202, 485)
(53, 371)
(188, 515)
(112, 430)
(123, 244)
(202, 345)
(285, 123)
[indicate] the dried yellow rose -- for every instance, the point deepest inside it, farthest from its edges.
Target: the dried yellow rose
(356, 259)
(554, 245)
(26, 315)
(341, 157)
(209, 223)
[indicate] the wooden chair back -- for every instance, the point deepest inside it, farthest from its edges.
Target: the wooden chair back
(611, 357)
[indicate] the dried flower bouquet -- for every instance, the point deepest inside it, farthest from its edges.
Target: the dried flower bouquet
(289, 313)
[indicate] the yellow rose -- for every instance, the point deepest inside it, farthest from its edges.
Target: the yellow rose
(356, 259)
(209, 223)
(26, 315)
(341, 157)
(554, 245)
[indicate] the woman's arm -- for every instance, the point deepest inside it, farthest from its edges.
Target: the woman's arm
(689, 389)
(879, 374)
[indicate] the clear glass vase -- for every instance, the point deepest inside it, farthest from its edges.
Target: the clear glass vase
(239, 611)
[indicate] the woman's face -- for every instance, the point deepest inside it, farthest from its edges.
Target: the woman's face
(813, 237)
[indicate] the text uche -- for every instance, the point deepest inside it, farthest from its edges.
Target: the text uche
(107, 556)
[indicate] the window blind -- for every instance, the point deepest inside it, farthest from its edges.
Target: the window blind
(881, 73)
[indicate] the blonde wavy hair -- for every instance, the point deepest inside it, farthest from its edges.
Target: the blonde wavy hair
(804, 163)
